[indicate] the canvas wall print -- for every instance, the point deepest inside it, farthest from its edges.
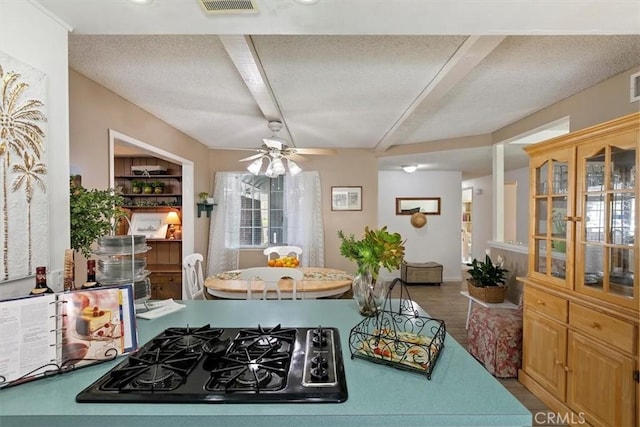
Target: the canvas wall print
(23, 170)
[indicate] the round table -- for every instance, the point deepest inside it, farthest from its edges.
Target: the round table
(318, 282)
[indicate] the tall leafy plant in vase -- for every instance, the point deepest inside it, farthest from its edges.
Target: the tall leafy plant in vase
(93, 214)
(377, 249)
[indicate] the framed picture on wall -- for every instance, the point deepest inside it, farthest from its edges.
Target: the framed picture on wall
(150, 225)
(346, 198)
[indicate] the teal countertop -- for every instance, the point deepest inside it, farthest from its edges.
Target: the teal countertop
(460, 393)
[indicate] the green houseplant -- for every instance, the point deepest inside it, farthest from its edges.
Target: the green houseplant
(377, 249)
(93, 214)
(136, 187)
(486, 280)
(158, 187)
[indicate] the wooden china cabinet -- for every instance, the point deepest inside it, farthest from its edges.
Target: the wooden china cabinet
(581, 298)
(164, 260)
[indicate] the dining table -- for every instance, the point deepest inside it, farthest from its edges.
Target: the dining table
(318, 282)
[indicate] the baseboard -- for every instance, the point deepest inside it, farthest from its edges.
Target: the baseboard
(554, 404)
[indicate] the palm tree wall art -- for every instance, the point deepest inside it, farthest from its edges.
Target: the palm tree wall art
(25, 220)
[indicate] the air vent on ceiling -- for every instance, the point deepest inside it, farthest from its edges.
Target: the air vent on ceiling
(228, 6)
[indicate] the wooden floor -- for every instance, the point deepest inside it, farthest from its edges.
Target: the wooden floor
(445, 302)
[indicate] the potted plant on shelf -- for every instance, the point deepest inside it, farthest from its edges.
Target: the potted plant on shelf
(158, 187)
(147, 187)
(377, 249)
(203, 197)
(487, 280)
(136, 187)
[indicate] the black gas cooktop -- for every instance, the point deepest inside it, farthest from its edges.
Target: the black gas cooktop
(230, 365)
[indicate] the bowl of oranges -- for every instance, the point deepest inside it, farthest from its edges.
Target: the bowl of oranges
(285, 261)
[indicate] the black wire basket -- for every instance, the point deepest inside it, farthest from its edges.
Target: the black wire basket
(399, 337)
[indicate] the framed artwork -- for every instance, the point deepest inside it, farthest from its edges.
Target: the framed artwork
(346, 198)
(150, 225)
(24, 150)
(411, 205)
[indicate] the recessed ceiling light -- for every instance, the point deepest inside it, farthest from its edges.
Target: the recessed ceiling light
(409, 168)
(306, 2)
(144, 2)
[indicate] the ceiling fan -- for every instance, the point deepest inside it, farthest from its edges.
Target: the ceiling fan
(278, 156)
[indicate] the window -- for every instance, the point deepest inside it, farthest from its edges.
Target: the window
(262, 211)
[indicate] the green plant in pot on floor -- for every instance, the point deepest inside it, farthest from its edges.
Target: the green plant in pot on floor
(377, 249)
(487, 280)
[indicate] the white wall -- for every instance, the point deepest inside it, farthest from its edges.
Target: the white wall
(521, 176)
(481, 214)
(440, 239)
(33, 37)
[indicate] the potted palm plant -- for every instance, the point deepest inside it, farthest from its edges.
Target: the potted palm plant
(486, 280)
(377, 249)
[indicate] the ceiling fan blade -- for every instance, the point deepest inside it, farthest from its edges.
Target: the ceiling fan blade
(314, 151)
(241, 149)
(255, 156)
(296, 157)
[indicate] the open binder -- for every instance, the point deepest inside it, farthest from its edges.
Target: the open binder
(54, 333)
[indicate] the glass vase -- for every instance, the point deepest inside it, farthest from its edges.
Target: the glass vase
(368, 293)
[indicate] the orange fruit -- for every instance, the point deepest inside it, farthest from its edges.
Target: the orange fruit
(271, 263)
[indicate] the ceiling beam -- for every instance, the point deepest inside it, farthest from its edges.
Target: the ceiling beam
(473, 51)
(243, 54)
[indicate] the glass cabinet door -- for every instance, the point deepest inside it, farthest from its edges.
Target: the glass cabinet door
(551, 254)
(606, 248)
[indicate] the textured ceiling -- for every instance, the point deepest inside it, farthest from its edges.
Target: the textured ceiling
(338, 76)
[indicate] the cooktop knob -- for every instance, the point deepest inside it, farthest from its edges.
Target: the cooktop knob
(319, 362)
(319, 337)
(319, 375)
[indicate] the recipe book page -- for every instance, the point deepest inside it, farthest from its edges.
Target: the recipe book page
(98, 324)
(28, 337)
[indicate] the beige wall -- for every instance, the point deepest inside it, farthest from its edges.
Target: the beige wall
(605, 101)
(94, 110)
(350, 167)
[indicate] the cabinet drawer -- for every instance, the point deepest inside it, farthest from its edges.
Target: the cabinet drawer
(599, 326)
(166, 278)
(547, 304)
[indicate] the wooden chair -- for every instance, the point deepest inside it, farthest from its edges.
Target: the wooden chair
(194, 285)
(283, 251)
(271, 277)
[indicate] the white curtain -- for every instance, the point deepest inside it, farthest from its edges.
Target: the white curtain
(224, 230)
(303, 214)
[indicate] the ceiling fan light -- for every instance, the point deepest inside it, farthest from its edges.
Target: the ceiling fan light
(255, 166)
(294, 169)
(270, 172)
(278, 167)
(409, 168)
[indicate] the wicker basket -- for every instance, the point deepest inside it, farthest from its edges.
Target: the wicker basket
(490, 294)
